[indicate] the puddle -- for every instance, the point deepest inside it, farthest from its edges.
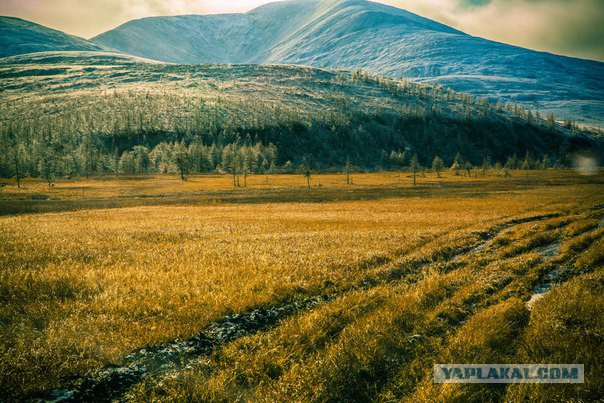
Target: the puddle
(542, 289)
(539, 292)
(487, 238)
(549, 251)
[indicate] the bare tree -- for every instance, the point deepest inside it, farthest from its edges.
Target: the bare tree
(348, 169)
(306, 173)
(414, 167)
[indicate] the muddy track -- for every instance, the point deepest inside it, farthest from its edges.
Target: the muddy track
(112, 383)
(555, 277)
(454, 255)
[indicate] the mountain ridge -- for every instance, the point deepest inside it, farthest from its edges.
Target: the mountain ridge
(381, 39)
(112, 105)
(19, 36)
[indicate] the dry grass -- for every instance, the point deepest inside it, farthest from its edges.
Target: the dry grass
(153, 186)
(82, 289)
(566, 326)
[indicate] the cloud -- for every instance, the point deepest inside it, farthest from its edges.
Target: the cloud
(75, 17)
(474, 3)
(570, 27)
(560, 26)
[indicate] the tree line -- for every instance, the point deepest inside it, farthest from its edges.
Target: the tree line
(369, 121)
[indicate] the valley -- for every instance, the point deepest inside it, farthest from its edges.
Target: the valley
(206, 292)
(312, 201)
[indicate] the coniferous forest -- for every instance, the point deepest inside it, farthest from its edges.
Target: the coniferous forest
(72, 115)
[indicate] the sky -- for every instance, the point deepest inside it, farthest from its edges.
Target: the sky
(567, 27)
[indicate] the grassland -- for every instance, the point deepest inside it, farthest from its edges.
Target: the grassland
(403, 277)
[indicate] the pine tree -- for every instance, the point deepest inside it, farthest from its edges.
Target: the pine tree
(181, 159)
(126, 164)
(141, 160)
(437, 165)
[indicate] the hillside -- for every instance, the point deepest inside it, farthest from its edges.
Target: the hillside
(76, 113)
(381, 39)
(18, 36)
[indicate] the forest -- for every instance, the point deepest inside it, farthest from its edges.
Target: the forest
(73, 117)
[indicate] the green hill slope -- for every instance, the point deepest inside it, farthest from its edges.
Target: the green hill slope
(76, 113)
(19, 36)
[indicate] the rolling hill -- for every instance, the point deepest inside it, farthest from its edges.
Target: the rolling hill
(19, 36)
(381, 39)
(81, 113)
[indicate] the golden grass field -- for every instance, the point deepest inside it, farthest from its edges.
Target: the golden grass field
(94, 269)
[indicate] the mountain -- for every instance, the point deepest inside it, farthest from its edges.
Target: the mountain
(18, 36)
(301, 32)
(381, 39)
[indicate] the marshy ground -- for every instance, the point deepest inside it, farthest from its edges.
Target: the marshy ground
(152, 288)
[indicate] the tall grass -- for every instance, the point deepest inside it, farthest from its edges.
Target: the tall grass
(80, 290)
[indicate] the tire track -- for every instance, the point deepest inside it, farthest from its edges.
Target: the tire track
(553, 277)
(113, 382)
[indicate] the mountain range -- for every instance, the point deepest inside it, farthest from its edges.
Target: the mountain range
(350, 34)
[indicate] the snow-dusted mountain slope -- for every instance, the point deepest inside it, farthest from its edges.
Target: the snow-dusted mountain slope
(349, 34)
(18, 36)
(375, 37)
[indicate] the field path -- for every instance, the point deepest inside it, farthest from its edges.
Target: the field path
(113, 382)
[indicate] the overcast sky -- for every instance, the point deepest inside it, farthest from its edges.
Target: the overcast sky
(569, 27)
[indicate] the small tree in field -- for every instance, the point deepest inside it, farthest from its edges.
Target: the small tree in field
(457, 164)
(47, 165)
(455, 167)
(414, 167)
(347, 169)
(467, 166)
(438, 165)
(306, 173)
(181, 159)
(231, 162)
